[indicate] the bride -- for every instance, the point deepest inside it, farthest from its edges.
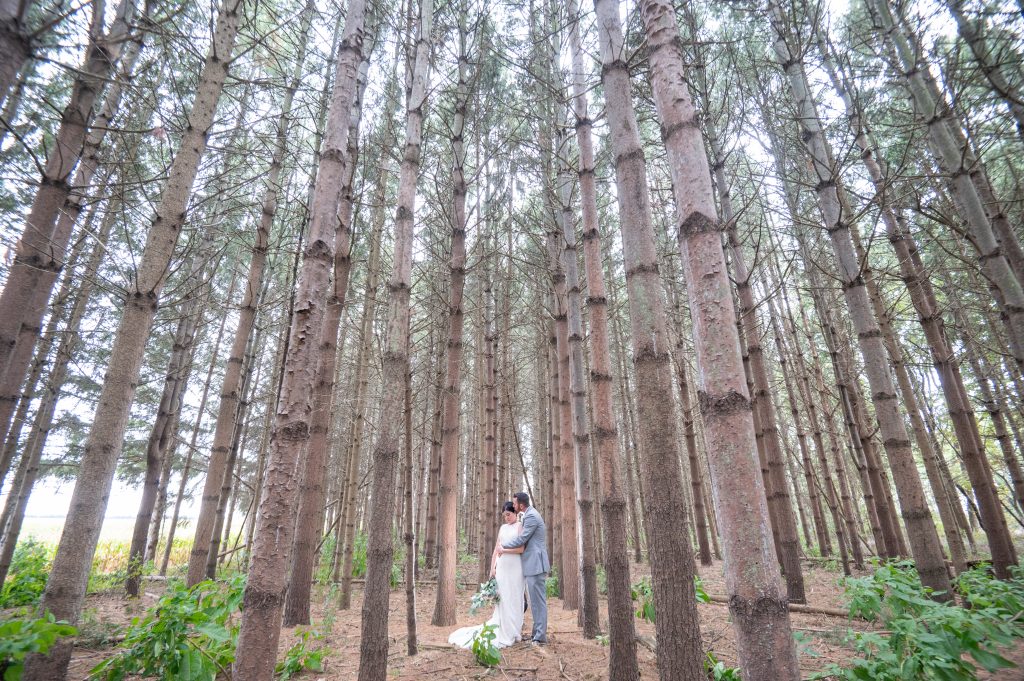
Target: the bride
(508, 569)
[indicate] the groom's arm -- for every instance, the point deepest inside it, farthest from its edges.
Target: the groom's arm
(529, 527)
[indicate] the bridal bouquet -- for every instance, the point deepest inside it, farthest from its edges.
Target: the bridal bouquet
(487, 594)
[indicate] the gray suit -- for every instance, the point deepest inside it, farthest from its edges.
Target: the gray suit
(536, 566)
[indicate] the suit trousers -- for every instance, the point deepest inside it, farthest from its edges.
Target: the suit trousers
(536, 587)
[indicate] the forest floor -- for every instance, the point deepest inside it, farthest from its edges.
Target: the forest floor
(568, 656)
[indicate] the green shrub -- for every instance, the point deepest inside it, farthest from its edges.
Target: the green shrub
(359, 556)
(484, 650)
(926, 639)
(323, 567)
(188, 634)
(643, 594)
(716, 669)
(551, 587)
(21, 637)
(26, 579)
(698, 590)
(299, 657)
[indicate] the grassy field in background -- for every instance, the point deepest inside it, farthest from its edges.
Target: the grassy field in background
(47, 530)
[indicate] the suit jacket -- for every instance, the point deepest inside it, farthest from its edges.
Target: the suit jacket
(534, 538)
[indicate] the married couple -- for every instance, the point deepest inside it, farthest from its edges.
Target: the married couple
(519, 563)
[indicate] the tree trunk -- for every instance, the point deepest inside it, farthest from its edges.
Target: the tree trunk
(373, 642)
(28, 468)
(176, 376)
(230, 395)
(410, 539)
(586, 547)
(69, 575)
(275, 522)
(961, 413)
(451, 432)
(924, 540)
(956, 158)
(42, 352)
(970, 31)
(779, 504)
(200, 414)
(622, 663)
(757, 604)
(671, 556)
(40, 252)
(15, 44)
(312, 494)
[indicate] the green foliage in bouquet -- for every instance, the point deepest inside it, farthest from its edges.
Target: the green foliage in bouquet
(488, 594)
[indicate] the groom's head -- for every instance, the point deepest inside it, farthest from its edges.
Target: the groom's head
(522, 500)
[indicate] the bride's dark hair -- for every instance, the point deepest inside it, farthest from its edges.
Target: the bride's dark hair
(508, 506)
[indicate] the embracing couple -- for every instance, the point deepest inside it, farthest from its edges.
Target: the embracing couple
(519, 564)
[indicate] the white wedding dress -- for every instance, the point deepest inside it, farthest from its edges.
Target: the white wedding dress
(508, 614)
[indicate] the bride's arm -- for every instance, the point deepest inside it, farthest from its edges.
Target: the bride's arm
(494, 558)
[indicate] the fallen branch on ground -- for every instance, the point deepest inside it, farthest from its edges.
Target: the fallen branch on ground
(796, 607)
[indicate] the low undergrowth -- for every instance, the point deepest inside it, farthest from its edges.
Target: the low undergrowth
(22, 637)
(26, 579)
(193, 633)
(927, 639)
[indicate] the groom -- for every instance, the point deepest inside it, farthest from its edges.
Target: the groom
(536, 564)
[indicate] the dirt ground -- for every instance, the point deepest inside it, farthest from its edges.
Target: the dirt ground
(568, 656)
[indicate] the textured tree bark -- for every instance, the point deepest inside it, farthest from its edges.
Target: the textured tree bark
(957, 159)
(486, 398)
(670, 553)
(280, 352)
(971, 32)
(15, 44)
(622, 664)
(409, 537)
(430, 542)
(902, 241)
(779, 503)
(40, 253)
(69, 575)
(363, 357)
(569, 577)
(176, 376)
(554, 449)
(374, 640)
(631, 441)
(275, 522)
(757, 604)
(312, 493)
(924, 539)
(28, 468)
(676, 334)
(230, 393)
(451, 418)
(58, 312)
(197, 427)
